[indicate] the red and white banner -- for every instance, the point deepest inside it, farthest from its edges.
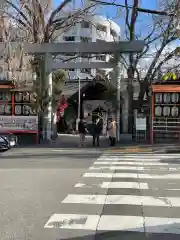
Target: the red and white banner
(62, 106)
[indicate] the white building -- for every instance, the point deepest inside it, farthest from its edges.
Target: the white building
(92, 29)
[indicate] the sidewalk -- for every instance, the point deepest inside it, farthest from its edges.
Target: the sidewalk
(139, 147)
(71, 141)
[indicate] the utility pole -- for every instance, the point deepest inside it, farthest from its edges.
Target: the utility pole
(79, 98)
(118, 95)
(79, 103)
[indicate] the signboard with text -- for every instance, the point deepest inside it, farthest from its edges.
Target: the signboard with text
(141, 124)
(15, 123)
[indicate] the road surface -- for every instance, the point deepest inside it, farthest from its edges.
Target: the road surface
(51, 194)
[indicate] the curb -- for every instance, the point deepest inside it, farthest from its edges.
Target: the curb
(147, 149)
(132, 150)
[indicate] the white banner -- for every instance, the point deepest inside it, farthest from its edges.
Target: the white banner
(140, 124)
(8, 123)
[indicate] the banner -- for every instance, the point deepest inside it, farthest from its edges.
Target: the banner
(63, 104)
(16, 123)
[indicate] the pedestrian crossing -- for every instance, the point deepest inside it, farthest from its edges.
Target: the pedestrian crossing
(137, 193)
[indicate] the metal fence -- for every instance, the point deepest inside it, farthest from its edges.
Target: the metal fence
(156, 129)
(165, 129)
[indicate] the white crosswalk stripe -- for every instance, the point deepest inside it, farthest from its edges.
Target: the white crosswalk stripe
(131, 163)
(130, 192)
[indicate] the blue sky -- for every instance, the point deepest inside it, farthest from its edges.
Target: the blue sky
(111, 12)
(150, 4)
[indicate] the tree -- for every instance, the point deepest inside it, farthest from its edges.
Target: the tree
(20, 70)
(38, 24)
(58, 79)
(158, 33)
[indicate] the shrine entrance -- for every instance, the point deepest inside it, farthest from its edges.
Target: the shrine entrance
(96, 97)
(165, 111)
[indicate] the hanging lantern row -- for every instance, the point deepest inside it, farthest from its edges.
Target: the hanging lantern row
(167, 98)
(166, 111)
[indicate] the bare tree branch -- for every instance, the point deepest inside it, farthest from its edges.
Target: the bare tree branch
(166, 59)
(162, 13)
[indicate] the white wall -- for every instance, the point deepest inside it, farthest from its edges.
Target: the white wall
(94, 35)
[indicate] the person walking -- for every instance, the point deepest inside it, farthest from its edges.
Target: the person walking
(107, 130)
(82, 132)
(97, 130)
(112, 132)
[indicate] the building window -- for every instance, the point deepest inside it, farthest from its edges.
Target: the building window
(85, 24)
(69, 54)
(86, 55)
(101, 73)
(69, 38)
(85, 39)
(69, 69)
(101, 28)
(86, 70)
(101, 57)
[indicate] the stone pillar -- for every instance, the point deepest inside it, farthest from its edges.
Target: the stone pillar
(47, 97)
(125, 113)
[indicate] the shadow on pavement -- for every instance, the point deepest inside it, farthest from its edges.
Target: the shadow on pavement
(128, 235)
(170, 160)
(111, 235)
(51, 156)
(148, 229)
(66, 142)
(61, 145)
(173, 150)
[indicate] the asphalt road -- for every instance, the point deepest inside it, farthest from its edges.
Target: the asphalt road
(85, 194)
(33, 182)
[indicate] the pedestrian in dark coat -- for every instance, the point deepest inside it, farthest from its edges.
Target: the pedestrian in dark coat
(97, 130)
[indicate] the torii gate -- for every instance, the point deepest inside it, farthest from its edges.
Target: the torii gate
(49, 49)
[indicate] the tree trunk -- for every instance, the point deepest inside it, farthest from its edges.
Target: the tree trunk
(130, 89)
(130, 107)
